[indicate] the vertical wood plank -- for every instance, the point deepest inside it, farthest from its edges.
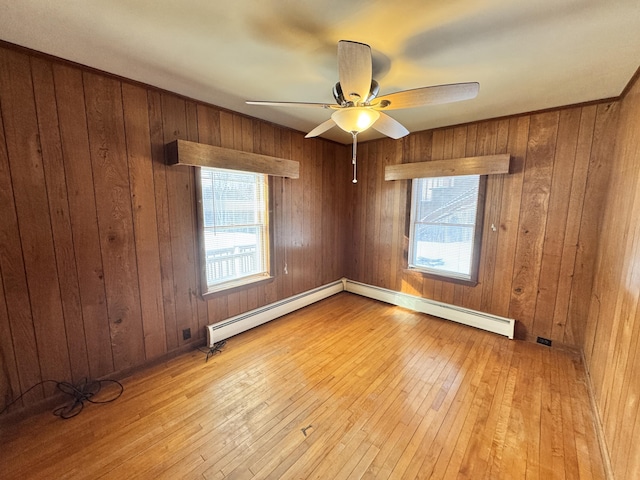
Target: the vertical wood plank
(113, 205)
(554, 237)
(296, 254)
(372, 213)
(317, 209)
(24, 153)
(493, 204)
(510, 215)
(53, 164)
(562, 321)
(181, 203)
(282, 270)
(156, 132)
(378, 219)
(383, 261)
(399, 204)
(533, 211)
(307, 215)
(327, 248)
(359, 224)
(74, 135)
(18, 341)
(585, 282)
(145, 226)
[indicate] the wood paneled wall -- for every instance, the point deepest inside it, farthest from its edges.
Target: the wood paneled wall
(612, 340)
(98, 257)
(541, 221)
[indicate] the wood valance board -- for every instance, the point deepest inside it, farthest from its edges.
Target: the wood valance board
(183, 152)
(483, 165)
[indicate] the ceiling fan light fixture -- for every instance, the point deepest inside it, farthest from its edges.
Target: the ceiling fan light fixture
(355, 119)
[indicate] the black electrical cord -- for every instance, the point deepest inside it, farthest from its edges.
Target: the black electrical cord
(217, 347)
(80, 393)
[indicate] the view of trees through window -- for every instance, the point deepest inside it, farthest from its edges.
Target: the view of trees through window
(443, 224)
(234, 210)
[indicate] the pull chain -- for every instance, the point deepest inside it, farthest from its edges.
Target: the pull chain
(353, 160)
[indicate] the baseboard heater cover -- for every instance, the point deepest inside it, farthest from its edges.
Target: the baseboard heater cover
(485, 321)
(245, 321)
(248, 320)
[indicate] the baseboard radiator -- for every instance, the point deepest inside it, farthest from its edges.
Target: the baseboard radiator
(245, 321)
(466, 316)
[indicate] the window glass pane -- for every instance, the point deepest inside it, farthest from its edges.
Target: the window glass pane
(234, 211)
(444, 247)
(444, 211)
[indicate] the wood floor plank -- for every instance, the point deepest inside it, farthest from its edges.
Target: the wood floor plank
(475, 462)
(345, 388)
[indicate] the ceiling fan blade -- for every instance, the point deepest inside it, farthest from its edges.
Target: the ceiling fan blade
(417, 97)
(292, 104)
(354, 70)
(390, 127)
(320, 129)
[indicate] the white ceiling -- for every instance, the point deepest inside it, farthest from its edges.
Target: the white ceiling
(527, 55)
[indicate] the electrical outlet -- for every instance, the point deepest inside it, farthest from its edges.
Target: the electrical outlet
(186, 334)
(544, 341)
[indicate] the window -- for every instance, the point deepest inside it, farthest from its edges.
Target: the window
(446, 226)
(235, 228)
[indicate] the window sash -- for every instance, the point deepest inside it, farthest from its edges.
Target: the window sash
(446, 226)
(234, 228)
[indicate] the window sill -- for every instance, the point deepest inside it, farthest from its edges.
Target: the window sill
(236, 286)
(442, 278)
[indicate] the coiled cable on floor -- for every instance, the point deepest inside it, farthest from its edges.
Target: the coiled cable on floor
(81, 393)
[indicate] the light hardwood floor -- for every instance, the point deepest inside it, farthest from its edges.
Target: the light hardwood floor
(346, 388)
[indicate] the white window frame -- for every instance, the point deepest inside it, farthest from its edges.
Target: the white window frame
(472, 277)
(234, 259)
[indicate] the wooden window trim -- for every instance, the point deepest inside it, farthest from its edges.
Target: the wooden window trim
(183, 152)
(237, 286)
(241, 283)
(483, 165)
(477, 244)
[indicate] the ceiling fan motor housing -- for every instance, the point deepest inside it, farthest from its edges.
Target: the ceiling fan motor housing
(338, 94)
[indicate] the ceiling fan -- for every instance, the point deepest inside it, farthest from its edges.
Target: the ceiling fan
(358, 105)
